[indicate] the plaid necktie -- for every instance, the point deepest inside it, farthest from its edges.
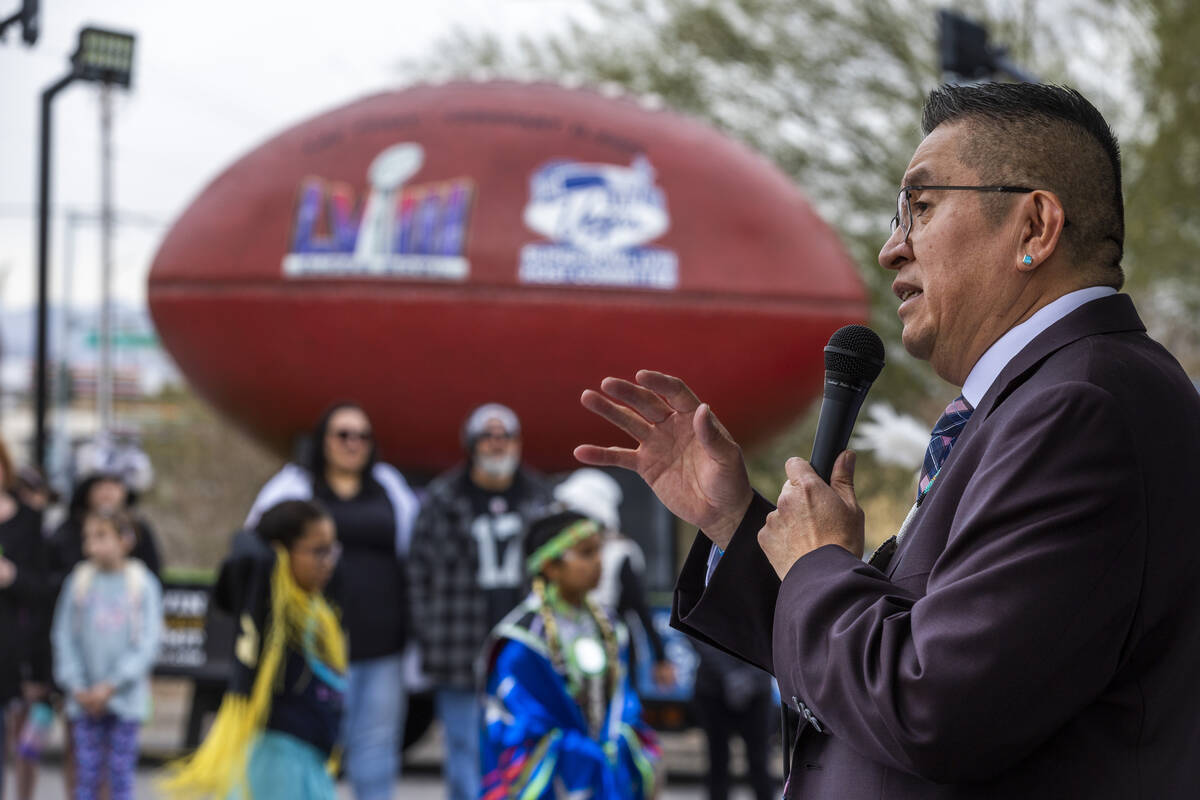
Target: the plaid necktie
(947, 429)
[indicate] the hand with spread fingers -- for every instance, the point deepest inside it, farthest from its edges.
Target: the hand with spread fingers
(684, 453)
(811, 514)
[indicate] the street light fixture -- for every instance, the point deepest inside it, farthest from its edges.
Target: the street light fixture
(101, 56)
(966, 55)
(28, 17)
(104, 56)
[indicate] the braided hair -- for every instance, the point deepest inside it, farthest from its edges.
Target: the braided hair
(540, 533)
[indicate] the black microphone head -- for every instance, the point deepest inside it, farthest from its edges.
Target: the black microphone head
(855, 352)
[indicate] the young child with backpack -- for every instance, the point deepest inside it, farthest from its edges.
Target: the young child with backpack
(105, 635)
(561, 717)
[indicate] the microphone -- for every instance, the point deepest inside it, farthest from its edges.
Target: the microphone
(853, 360)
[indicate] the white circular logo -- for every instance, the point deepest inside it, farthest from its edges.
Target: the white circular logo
(589, 656)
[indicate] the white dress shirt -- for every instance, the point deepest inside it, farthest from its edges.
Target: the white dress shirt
(1005, 349)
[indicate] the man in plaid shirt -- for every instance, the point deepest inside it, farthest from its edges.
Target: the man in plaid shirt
(466, 573)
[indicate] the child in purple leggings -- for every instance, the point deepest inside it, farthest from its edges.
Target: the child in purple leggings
(105, 635)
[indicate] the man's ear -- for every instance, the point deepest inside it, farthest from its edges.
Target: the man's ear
(1044, 218)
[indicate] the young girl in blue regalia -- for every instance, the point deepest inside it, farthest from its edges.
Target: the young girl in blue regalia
(561, 718)
(275, 735)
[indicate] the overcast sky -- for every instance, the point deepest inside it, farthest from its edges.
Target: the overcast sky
(212, 80)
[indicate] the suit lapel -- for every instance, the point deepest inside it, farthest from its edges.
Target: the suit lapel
(1112, 314)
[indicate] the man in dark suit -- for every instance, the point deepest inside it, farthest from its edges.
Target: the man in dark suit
(1036, 633)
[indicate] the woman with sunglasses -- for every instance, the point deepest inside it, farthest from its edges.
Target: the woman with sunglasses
(373, 509)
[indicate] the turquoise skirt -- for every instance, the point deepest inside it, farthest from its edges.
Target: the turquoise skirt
(282, 766)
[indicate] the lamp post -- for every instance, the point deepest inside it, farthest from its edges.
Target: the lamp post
(104, 57)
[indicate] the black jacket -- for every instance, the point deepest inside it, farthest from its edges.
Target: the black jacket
(23, 604)
(450, 611)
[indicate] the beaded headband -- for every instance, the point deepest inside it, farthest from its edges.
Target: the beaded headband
(563, 541)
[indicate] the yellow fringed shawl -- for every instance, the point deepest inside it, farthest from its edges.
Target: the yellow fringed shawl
(219, 765)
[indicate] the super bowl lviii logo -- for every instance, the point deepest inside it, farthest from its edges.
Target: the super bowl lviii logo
(399, 231)
(599, 218)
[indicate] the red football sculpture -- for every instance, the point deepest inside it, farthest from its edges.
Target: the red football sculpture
(426, 250)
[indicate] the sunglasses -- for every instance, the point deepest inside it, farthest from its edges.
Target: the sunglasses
(348, 436)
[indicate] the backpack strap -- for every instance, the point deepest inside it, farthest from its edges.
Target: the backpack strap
(136, 574)
(81, 583)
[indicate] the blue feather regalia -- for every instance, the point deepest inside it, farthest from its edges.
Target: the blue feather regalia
(551, 733)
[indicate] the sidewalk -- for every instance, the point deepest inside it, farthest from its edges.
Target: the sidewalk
(416, 787)
(162, 739)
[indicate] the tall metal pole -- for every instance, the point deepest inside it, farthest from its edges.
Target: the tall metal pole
(3, 286)
(43, 255)
(60, 447)
(104, 377)
(102, 56)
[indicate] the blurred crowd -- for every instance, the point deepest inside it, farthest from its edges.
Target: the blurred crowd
(505, 595)
(80, 616)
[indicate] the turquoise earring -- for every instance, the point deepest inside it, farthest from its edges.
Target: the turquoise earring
(1028, 259)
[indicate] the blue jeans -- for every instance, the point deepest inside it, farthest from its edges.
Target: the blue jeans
(461, 715)
(373, 725)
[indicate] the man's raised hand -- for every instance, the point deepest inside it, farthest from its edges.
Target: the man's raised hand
(684, 453)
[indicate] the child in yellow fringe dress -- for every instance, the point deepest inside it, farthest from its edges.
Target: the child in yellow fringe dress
(276, 732)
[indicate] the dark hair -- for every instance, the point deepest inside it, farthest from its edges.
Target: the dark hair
(1045, 137)
(78, 506)
(31, 479)
(316, 446)
(121, 521)
(285, 522)
(544, 529)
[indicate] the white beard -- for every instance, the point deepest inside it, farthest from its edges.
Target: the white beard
(498, 466)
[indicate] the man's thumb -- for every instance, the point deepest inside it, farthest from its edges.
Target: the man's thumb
(710, 432)
(842, 478)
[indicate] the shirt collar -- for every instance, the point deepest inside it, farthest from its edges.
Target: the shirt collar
(992, 363)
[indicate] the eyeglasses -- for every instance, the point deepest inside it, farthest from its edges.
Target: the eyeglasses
(904, 217)
(347, 435)
(328, 554)
(499, 437)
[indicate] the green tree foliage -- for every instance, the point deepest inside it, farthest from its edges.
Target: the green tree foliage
(1163, 184)
(831, 91)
